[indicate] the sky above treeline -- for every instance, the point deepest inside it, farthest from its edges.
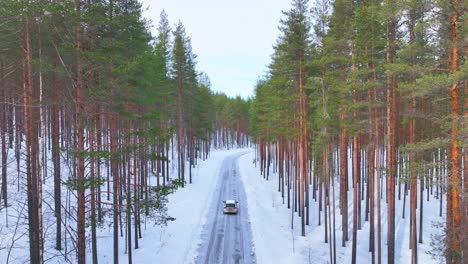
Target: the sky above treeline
(232, 39)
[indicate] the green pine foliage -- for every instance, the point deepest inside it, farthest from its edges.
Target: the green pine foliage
(347, 70)
(129, 99)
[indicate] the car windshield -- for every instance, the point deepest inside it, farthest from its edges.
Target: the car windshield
(230, 205)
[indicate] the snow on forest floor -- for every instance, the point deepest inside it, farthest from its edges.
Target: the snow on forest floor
(179, 240)
(276, 243)
(175, 243)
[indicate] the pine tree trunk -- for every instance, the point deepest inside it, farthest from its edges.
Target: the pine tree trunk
(413, 192)
(81, 242)
(56, 156)
(303, 143)
(355, 200)
(332, 179)
(93, 200)
(307, 191)
(371, 190)
(115, 185)
(98, 160)
(288, 172)
(31, 143)
(129, 206)
(3, 118)
(356, 172)
(421, 208)
(281, 166)
(391, 134)
(344, 180)
(465, 174)
(42, 168)
(377, 168)
(180, 143)
(453, 192)
(412, 140)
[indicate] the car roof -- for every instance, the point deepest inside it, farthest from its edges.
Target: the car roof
(230, 201)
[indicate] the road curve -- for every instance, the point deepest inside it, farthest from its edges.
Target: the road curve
(227, 238)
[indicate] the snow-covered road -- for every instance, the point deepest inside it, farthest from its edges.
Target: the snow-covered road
(227, 238)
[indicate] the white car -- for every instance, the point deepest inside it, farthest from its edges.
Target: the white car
(230, 207)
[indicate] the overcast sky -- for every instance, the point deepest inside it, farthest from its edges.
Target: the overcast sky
(232, 39)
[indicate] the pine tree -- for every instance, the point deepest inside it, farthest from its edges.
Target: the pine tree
(35, 235)
(180, 60)
(334, 60)
(81, 243)
(453, 192)
(295, 41)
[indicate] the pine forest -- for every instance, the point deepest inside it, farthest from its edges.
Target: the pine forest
(117, 148)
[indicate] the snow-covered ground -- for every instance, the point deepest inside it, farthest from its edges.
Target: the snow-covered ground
(179, 241)
(276, 243)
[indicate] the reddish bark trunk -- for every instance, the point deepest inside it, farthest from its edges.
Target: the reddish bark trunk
(412, 140)
(355, 198)
(302, 145)
(465, 159)
(391, 135)
(93, 201)
(378, 176)
(180, 133)
(128, 192)
(31, 146)
(356, 173)
(371, 191)
(115, 185)
(453, 192)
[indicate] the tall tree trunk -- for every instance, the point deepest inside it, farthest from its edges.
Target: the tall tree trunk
(81, 242)
(303, 143)
(465, 170)
(93, 199)
(344, 179)
(413, 191)
(413, 16)
(42, 168)
(391, 132)
(56, 155)
(136, 196)
(31, 142)
(332, 179)
(371, 191)
(326, 214)
(465, 158)
(180, 134)
(114, 163)
(453, 192)
(379, 158)
(355, 201)
(288, 172)
(3, 118)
